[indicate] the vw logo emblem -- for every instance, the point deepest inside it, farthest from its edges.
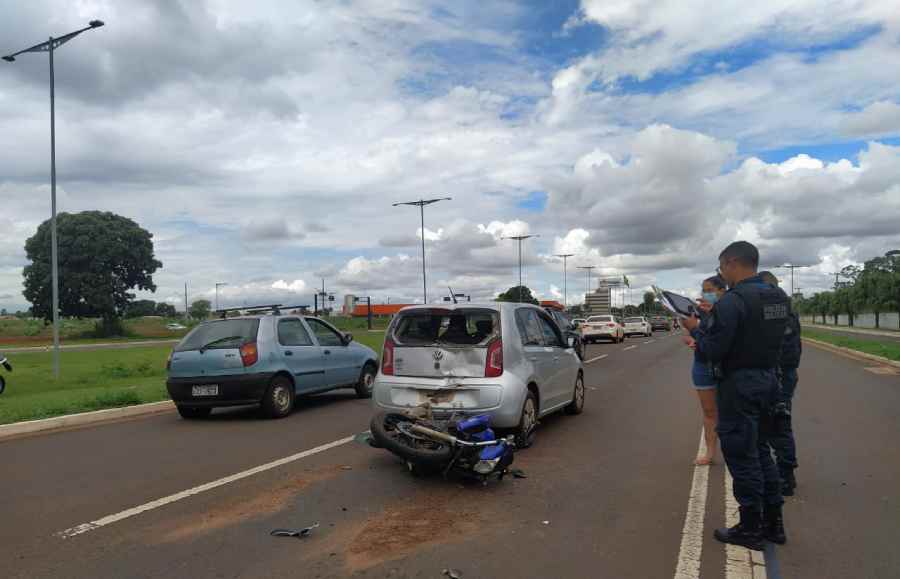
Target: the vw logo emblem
(438, 355)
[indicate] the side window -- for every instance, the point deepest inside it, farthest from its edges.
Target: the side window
(292, 333)
(325, 335)
(551, 334)
(529, 327)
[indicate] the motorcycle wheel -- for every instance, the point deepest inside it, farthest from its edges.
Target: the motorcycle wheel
(388, 436)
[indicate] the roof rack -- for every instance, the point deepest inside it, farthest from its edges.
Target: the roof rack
(274, 308)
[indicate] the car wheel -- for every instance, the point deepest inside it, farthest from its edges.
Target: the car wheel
(193, 412)
(577, 404)
(366, 381)
(279, 398)
(528, 421)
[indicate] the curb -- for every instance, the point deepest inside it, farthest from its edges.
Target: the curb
(17, 429)
(850, 353)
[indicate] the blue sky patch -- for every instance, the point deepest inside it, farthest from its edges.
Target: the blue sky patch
(535, 201)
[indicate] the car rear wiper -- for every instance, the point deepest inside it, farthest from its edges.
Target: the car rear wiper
(225, 339)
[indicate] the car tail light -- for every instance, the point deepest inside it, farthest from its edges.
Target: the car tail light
(494, 365)
(611, 325)
(387, 358)
(249, 354)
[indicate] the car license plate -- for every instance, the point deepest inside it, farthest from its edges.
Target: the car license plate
(209, 390)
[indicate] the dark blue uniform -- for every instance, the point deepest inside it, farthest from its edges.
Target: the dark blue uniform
(744, 341)
(783, 437)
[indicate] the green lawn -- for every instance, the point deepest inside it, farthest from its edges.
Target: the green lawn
(30, 332)
(89, 381)
(888, 348)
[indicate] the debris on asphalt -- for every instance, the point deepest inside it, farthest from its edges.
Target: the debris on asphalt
(364, 438)
(452, 573)
(299, 533)
(546, 522)
(346, 467)
(518, 473)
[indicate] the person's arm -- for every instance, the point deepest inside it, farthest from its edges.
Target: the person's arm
(714, 340)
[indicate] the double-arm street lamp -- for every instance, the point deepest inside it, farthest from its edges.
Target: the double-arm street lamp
(49, 46)
(565, 257)
(520, 239)
(421, 203)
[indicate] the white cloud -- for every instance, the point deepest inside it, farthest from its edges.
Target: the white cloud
(878, 119)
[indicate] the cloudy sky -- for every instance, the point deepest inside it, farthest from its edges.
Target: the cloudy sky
(263, 143)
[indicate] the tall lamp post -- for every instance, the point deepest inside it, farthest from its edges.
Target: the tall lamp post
(520, 239)
(218, 285)
(565, 257)
(49, 46)
(588, 269)
(792, 268)
(421, 203)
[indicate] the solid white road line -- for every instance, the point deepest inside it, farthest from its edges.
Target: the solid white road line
(740, 562)
(110, 519)
(629, 348)
(692, 536)
(649, 341)
(600, 357)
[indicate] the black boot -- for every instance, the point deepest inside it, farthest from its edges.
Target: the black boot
(788, 483)
(747, 533)
(773, 524)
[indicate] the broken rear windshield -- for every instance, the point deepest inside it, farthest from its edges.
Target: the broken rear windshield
(463, 327)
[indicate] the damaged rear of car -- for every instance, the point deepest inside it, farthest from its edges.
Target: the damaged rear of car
(468, 359)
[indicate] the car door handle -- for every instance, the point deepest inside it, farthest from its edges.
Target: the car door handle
(288, 353)
(327, 352)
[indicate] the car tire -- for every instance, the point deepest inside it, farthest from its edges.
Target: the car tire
(577, 405)
(193, 412)
(527, 422)
(366, 381)
(278, 400)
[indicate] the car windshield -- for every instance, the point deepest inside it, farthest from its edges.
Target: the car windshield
(462, 327)
(633, 320)
(599, 319)
(220, 334)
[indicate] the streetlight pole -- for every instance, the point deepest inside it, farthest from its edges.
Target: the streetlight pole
(50, 46)
(565, 257)
(421, 203)
(588, 269)
(520, 239)
(792, 268)
(218, 285)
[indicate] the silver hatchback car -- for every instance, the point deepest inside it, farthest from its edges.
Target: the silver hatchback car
(508, 360)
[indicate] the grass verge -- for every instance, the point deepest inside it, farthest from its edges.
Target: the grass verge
(886, 349)
(90, 380)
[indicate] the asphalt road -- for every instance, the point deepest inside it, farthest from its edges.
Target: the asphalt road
(607, 492)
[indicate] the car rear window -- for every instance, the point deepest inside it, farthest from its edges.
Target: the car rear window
(597, 319)
(220, 334)
(633, 320)
(459, 327)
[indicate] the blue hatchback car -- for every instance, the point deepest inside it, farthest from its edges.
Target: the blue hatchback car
(267, 360)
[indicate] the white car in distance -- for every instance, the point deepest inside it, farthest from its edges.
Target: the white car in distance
(602, 328)
(638, 327)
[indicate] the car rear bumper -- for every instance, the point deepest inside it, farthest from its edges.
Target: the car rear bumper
(234, 390)
(597, 334)
(494, 399)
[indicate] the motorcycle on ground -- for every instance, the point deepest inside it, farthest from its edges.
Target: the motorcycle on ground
(427, 445)
(5, 363)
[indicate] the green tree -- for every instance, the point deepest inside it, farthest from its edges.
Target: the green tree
(518, 294)
(102, 256)
(649, 302)
(166, 310)
(200, 309)
(140, 308)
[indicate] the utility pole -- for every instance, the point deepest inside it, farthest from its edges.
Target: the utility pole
(520, 239)
(565, 257)
(218, 285)
(421, 203)
(50, 46)
(186, 315)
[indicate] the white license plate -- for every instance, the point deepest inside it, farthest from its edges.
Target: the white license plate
(209, 390)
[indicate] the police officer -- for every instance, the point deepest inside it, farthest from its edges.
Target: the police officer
(783, 435)
(743, 343)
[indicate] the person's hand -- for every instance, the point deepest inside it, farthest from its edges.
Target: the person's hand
(689, 342)
(704, 306)
(690, 324)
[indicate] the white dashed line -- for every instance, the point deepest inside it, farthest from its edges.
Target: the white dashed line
(649, 341)
(629, 348)
(600, 357)
(110, 519)
(692, 536)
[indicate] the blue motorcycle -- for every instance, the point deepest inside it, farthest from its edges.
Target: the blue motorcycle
(5, 363)
(427, 445)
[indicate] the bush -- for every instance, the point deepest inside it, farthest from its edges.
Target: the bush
(114, 399)
(108, 328)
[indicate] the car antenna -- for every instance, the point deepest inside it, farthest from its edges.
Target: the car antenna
(452, 297)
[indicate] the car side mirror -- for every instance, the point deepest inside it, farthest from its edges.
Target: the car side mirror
(348, 337)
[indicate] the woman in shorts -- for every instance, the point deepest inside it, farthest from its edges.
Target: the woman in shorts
(701, 373)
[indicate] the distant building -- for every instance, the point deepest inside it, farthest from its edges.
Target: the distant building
(597, 303)
(378, 310)
(349, 304)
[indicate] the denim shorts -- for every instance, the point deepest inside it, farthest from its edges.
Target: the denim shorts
(702, 377)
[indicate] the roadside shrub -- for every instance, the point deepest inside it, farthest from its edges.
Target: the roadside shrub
(143, 369)
(108, 328)
(113, 399)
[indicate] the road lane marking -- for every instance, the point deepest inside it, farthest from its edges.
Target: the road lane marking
(649, 341)
(600, 357)
(629, 348)
(740, 562)
(688, 566)
(110, 519)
